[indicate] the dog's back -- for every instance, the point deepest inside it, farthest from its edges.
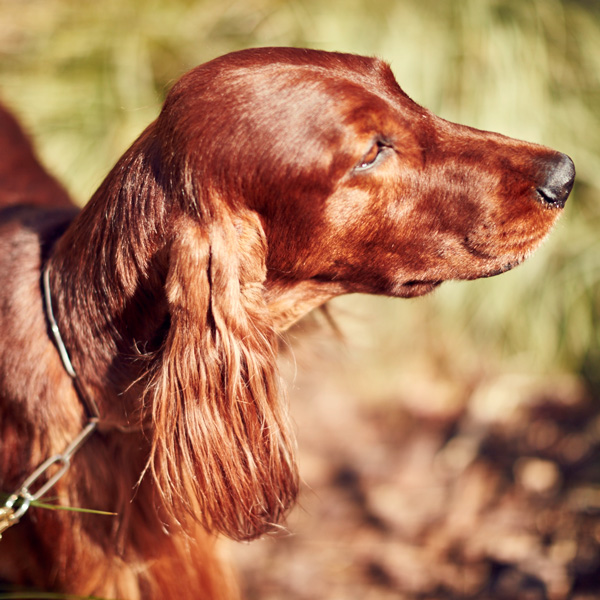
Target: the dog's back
(23, 180)
(34, 211)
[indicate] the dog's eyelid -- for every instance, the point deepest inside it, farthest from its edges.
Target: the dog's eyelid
(372, 157)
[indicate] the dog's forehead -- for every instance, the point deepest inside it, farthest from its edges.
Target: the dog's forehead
(291, 84)
(255, 59)
(294, 111)
(362, 91)
(293, 95)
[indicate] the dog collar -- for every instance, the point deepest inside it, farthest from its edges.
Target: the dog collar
(90, 404)
(18, 503)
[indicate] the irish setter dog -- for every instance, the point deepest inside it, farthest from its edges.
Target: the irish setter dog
(273, 180)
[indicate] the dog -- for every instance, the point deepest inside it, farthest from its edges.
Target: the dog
(138, 362)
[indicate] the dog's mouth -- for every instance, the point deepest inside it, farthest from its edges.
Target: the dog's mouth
(412, 289)
(417, 287)
(496, 263)
(503, 269)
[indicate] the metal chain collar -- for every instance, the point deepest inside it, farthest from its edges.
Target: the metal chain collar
(18, 503)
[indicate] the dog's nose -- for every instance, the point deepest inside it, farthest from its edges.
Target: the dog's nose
(559, 172)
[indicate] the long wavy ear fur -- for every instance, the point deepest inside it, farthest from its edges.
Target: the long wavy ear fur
(221, 448)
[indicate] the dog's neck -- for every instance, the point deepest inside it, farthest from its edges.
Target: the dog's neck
(89, 403)
(107, 283)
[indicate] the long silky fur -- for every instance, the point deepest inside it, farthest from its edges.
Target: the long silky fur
(220, 447)
(221, 451)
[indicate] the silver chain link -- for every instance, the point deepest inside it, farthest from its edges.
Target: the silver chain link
(18, 503)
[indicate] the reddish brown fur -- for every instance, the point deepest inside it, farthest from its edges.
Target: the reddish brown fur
(272, 181)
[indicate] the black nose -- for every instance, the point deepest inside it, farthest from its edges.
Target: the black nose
(559, 173)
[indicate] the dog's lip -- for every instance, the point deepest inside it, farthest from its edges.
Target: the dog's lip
(507, 266)
(418, 287)
(417, 282)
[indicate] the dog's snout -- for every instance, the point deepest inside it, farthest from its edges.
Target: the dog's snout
(559, 174)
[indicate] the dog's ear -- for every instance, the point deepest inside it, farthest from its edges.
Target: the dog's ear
(222, 449)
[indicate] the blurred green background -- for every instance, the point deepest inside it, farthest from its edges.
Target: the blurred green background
(86, 76)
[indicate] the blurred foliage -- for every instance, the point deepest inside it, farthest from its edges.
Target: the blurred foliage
(87, 76)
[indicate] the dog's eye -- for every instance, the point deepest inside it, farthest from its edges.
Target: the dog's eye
(372, 156)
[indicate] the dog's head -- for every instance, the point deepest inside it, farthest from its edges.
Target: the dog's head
(273, 180)
(358, 188)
